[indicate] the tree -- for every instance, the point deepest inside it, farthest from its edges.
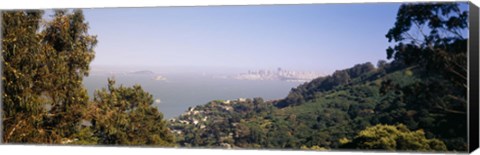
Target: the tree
(394, 137)
(360, 69)
(125, 116)
(21, 112)
(257, 101)
(440, 52)
(431, 40)
(382, 65)
(44, 63)
(339, 78)
(68, 50)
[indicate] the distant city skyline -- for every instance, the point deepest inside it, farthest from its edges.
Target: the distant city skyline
(316, 37)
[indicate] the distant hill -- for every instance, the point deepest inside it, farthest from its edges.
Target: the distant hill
(142, 72)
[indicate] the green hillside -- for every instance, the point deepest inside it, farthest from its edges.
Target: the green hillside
(323, 118)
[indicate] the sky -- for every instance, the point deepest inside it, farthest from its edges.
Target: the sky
(314, 37)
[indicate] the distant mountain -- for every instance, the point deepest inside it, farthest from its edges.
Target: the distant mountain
(142, 72)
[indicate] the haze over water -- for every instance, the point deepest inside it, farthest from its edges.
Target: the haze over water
(183, 90)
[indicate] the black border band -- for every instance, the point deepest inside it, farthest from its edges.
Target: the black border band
(473, 115)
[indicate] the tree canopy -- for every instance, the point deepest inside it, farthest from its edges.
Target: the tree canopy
(44, 63)
(394, 137)
(44, 100)
(125, 116)
(430, 39)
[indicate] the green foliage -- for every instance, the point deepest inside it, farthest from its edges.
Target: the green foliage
(398, 137)
(44, 63)
(440, 54)
(125, 116)
(308, 91)
(321, 121)
(44, 101)
(317, 148)
(85, 137)
(20, 44)
(437, 101)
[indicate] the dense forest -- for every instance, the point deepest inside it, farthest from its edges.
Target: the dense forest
(414, 101)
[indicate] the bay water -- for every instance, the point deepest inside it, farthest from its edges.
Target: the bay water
(177, 92)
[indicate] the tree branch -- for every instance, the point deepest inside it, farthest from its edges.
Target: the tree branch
(12, 131)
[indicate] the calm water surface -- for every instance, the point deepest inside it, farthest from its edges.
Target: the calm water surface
(181, 91)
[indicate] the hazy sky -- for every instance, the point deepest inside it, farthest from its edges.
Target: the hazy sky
(321, 37)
